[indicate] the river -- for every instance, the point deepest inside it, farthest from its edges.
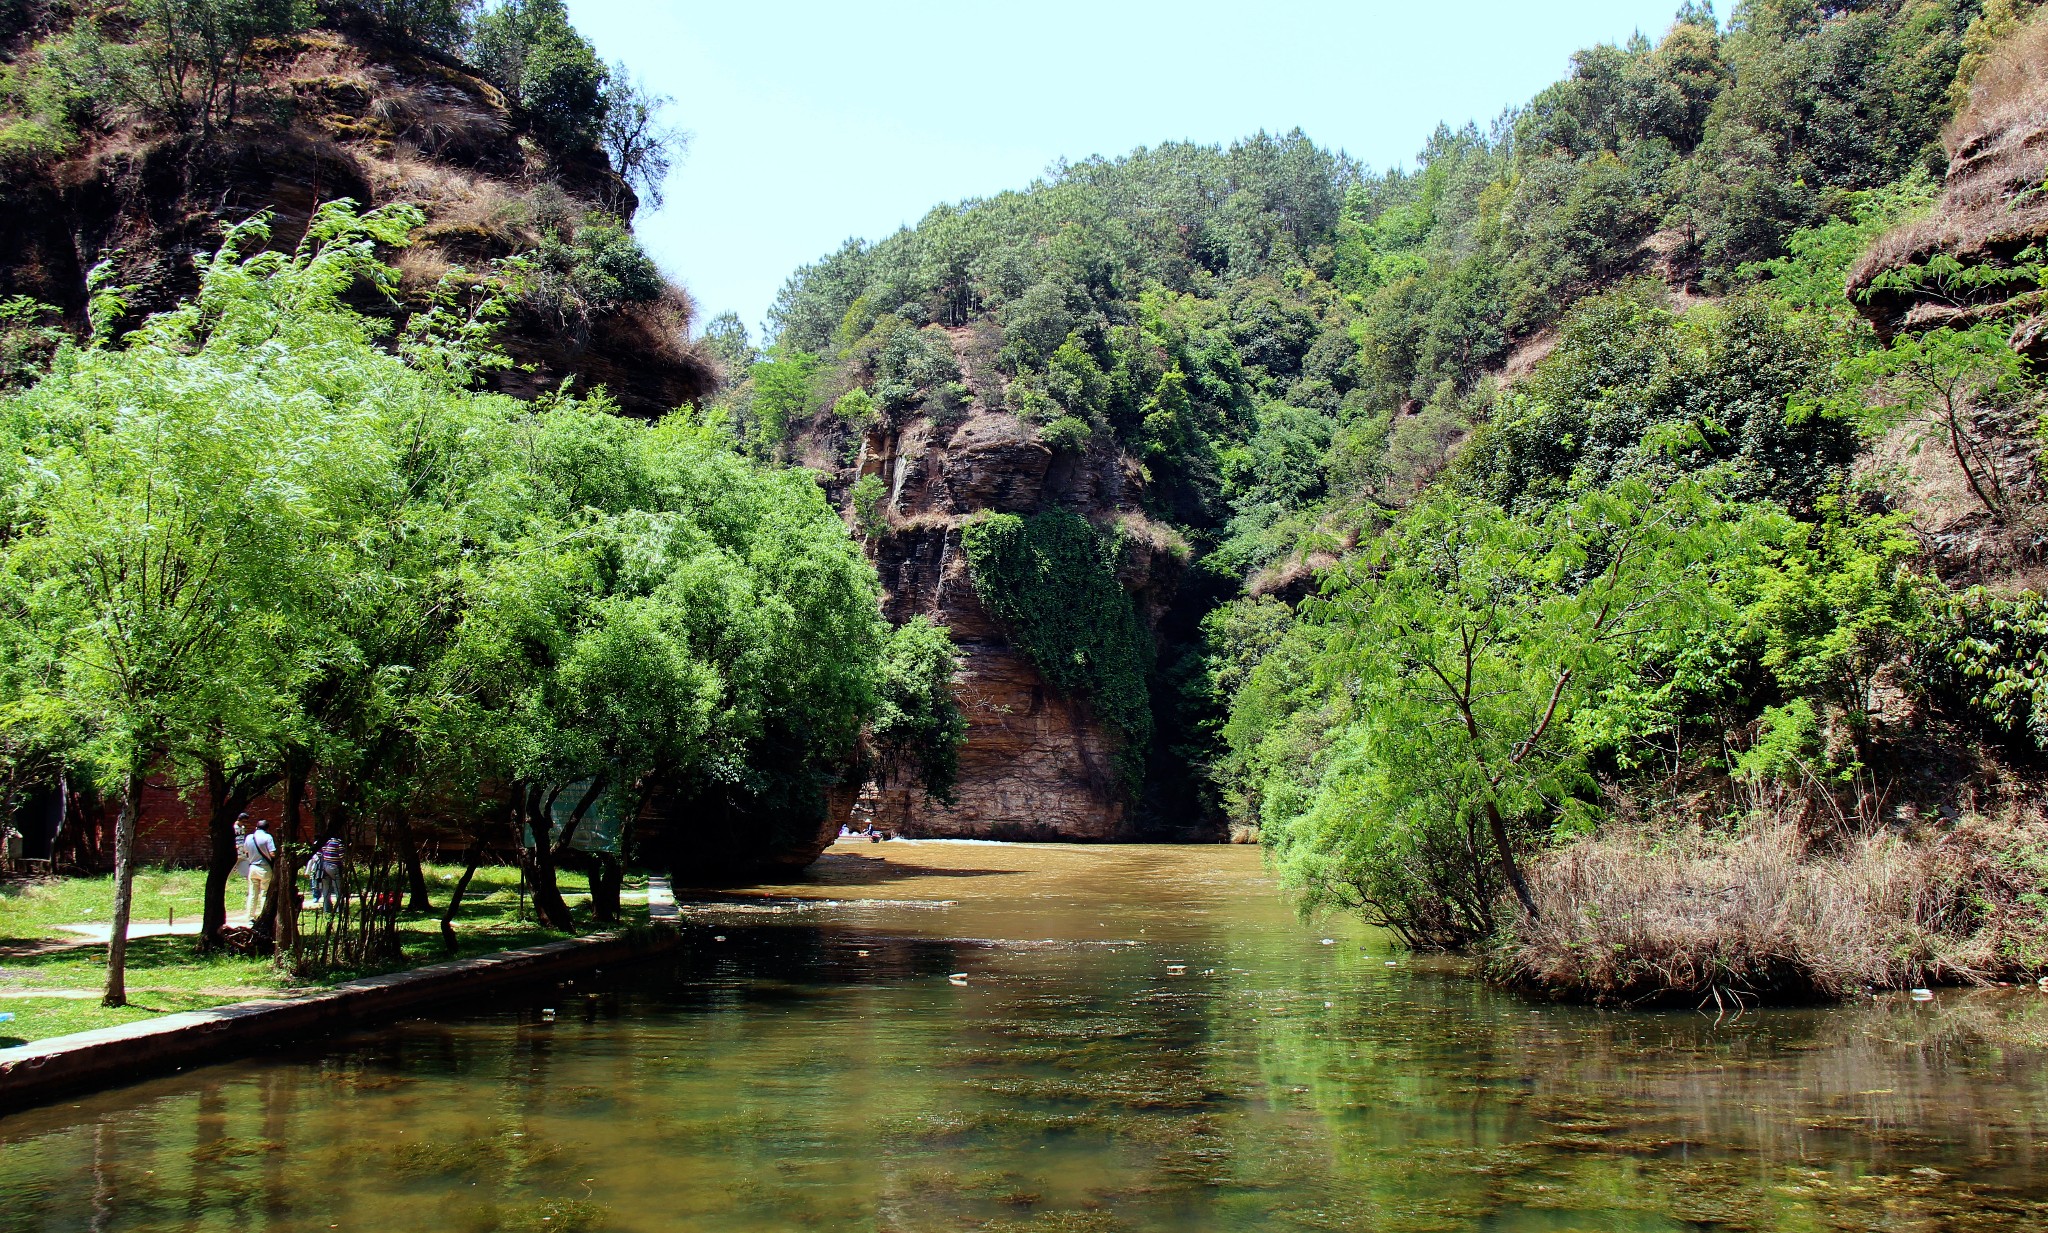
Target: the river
(950, 1036)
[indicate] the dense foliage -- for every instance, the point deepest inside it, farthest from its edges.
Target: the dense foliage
(261, 537)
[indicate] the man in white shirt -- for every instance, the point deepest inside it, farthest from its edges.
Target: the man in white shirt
(261, 851)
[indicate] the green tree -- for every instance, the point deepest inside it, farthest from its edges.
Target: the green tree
(918, 727)
(160, 531)
(641, 148)
(190, 61)
(1472, 640)
(532, 51)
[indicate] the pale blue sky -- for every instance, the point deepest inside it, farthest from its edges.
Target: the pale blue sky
(818, 121)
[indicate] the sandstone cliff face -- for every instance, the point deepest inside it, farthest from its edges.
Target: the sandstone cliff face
(341, 112)
(1037, 765)
(1965, 263)
(1993, 211)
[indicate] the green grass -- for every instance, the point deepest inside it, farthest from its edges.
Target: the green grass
(32, 910)
(166, 973)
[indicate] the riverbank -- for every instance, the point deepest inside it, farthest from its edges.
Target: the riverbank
(1769, 913)
(120, 1054)
(51, 971)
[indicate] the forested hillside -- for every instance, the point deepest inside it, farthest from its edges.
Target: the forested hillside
(1563, 554)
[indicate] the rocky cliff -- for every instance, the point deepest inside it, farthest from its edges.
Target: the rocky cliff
(339, 111)
(1992, 218)
(1977, 258)
(1037, 764)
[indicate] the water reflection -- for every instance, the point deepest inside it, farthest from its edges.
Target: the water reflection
(817, 1068)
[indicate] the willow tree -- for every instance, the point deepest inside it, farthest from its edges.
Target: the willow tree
(154, 533)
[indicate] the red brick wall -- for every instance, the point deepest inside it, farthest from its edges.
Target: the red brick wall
(172, 827)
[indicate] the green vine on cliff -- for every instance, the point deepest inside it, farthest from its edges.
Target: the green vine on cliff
(1051, 580)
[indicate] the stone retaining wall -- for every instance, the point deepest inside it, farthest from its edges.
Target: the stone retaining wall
(41, 1070)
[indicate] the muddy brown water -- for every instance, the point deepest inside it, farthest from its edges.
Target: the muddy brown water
(1144, 1038)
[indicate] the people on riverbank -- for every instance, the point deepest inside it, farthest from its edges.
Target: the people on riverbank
(260, 851)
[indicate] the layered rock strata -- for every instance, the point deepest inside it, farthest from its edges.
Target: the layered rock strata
(1037, 764)
(1991, 220)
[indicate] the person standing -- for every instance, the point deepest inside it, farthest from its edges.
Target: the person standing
(261, 851)
(241, 873)
(326, 875)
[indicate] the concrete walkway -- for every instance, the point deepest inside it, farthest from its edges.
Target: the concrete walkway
(101, 934)
(661, 900)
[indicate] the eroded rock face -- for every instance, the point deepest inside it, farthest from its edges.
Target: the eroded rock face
(341, 112)
(1036, 764)
(1991, 212)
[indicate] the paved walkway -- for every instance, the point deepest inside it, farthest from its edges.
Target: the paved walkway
(661, 900)
(86, 934)
(100, 934)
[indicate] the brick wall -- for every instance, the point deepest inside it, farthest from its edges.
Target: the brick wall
(172, 827)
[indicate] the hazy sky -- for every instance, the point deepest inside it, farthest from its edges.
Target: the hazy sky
(815, 122)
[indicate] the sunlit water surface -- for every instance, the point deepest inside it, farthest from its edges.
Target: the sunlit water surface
(1145, 1039)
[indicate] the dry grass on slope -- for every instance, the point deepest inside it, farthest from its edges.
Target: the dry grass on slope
(1992, 205)
(1637, 919)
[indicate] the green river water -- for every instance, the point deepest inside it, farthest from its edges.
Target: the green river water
(1145, 1039)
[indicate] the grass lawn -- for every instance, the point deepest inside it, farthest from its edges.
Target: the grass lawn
(166, 973)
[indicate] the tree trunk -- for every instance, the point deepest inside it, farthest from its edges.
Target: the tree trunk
(470, 862)
(284, 876)
(415, 875)
(229, 798)
(606, 874)
(548, 903)
(220, 856)
(1507, 859)
(124, 893)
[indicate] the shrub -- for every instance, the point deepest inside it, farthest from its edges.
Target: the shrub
(1067, 434)
(1632, 919)
(869, 512)
(600, 270)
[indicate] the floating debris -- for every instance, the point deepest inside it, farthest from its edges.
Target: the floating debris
(958, 978)
(1176, 969)
(1923, 995)
(1393, 963)
(548, 1015)
(863, 954)
(1329, 941)
(718, 937)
